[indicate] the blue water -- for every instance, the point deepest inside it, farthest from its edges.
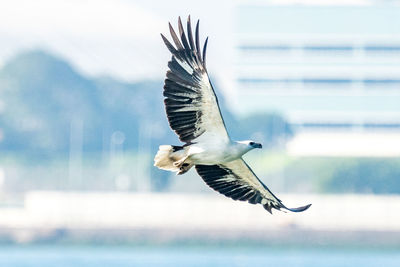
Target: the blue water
(60, 256)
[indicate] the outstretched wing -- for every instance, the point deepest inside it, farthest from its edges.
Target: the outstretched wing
(190, 101)
(236, 180)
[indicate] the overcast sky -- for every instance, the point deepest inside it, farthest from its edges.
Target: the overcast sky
(119, 38)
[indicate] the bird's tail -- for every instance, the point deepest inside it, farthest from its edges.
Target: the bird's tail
(172, 158)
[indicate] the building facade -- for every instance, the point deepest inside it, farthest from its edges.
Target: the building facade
(325, 68)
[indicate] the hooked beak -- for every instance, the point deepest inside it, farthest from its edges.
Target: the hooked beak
(257, 145)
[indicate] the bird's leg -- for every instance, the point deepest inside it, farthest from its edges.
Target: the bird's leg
(183, 164)
(184, 168)
(180, 162)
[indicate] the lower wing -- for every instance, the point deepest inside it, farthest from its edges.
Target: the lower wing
(236, 180)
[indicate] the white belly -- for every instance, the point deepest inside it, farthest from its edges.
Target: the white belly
(208, 155)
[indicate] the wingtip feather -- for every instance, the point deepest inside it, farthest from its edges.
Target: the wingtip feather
(182, 34)
(175, 37)
(190, 34)
(198, 40)
(300, 209)
(268, 208)
(170, 47)
(204, 52)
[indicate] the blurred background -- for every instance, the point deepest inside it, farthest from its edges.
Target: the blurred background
(81, 118)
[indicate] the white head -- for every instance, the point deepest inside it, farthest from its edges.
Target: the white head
(249, 144)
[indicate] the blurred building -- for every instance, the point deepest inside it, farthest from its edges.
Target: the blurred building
(327, 68)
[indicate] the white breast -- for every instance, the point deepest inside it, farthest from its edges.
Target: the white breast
(211, 154)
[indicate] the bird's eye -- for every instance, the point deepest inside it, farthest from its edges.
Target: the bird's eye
(251, 143)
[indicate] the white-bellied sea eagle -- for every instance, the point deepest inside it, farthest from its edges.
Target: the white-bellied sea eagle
(193, 113)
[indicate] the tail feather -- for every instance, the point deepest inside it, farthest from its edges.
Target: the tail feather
(168, 155)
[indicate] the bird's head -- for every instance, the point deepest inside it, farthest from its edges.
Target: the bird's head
(250, 144)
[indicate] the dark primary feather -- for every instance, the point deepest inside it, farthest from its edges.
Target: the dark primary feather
(170, 47)
(238, 187)
(175, 38)
(204, 52)
(197, 40)
(190, 34)
(182, 34)
(187, 89)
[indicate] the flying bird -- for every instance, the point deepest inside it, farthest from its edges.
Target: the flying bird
(194, 114)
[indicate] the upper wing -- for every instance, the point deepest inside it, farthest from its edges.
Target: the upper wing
(236, 180)
(190, 101)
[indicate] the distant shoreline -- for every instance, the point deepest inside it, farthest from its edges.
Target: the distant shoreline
(195, 219)
(295, 238)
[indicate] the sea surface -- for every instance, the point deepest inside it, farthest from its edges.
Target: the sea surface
(90, 256)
